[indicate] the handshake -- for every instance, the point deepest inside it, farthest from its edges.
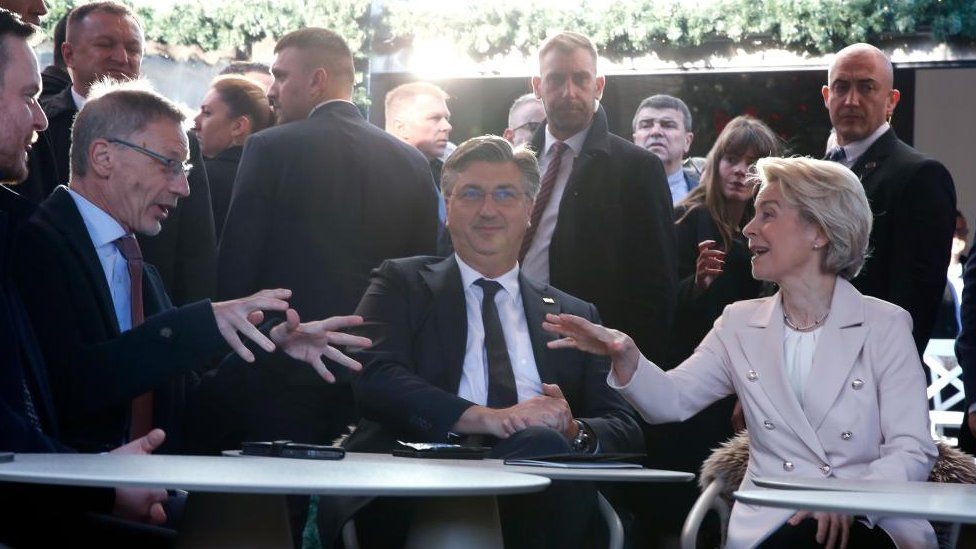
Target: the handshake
(305, 341)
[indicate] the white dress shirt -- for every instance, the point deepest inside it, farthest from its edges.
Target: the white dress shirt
(511, 313)
(798, 349)
(104, 230)
(678, 185)
(79, 99)
(536, 262)
(854, 150)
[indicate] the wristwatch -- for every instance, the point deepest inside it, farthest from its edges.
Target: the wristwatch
(584, 438)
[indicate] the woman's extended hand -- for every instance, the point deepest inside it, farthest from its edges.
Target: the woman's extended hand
(709, 265)
(581, 334)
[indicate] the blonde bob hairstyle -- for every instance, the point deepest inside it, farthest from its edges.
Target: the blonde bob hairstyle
(831, 196)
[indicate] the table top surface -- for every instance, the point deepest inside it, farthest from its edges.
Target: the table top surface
(258, 475)
(948, 507)
(855, 485)
(553, 473)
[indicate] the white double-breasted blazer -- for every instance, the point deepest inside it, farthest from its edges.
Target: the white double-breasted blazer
(865, 413)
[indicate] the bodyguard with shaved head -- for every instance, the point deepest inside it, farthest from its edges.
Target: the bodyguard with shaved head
(912, 196)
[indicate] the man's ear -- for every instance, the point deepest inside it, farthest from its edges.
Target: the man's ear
(319, 82)
(689, 137)
(601, 83)
(508, 134)
(536, 83)
(101, 158)
(825, 92)
(68, 54)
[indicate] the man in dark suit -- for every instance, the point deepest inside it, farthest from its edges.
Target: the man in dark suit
(447, 360)
(185, 251)
(27, 419)
(662, 125)
(319, 201)
(603, 229)
(966, 354)
(115, 347)
(912, 196)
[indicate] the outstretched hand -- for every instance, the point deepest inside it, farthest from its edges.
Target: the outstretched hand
(239, 315)
(310, 340)
(583, 335)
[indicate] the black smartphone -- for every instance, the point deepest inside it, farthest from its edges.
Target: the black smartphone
(289, 449)
(444, 452)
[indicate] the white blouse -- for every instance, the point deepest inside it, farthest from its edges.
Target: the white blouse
(798, 348)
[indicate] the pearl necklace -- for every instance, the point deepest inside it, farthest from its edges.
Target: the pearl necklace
(810, 328)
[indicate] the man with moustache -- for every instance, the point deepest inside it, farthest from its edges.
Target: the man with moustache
(912, 196)
(662, 125)
(602, 226)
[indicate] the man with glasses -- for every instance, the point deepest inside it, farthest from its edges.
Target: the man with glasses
(115, 347)
(105, 40)
(524, 117)
(463, 354)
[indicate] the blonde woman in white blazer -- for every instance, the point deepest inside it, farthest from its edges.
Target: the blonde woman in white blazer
(829, 380)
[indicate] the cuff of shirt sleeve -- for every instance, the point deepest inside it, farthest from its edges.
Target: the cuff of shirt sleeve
(642, 366)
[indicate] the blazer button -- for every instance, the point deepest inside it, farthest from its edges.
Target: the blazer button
(751, 375)
(166, 332)
(825, 469)
(787, 465)
(846, 435)
(857, 384)
(768, 425)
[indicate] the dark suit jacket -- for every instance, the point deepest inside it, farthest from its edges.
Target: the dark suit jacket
(61, 111)
(966, 348)
(54, 80)
(317, 204)
(415, 313)
(30, 511)
(913, 200)
(95, 370)
(221, 171)
(185, 250)
(614, 241)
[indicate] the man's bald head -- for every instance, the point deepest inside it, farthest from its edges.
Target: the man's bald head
(859, 94)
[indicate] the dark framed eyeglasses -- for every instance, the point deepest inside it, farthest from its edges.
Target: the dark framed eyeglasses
(531, 126)
(173, 166)
(503, 196)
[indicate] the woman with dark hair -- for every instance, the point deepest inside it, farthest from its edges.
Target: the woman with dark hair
(234, 108)
(713, 261)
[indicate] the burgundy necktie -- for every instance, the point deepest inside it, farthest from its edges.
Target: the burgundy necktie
(548, 182)
(142, 405)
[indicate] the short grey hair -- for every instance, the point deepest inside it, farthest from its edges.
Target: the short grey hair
(831, 196)
(522, 100)
(117, 110)
(491, 148)
(662, 101)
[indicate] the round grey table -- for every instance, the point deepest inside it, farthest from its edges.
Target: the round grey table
(255, 514)
(952, 506)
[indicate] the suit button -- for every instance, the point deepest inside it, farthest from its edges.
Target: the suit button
(166, 332)
(857, 384)
(825, 469)
(787, 465)
(768, 425)
(751, 375)
(846, 435)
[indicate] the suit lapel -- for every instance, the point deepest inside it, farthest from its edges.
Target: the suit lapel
(443, 279)
(762, 343)
(62, 213)
(874, 157)
(538, 301)
(838, 347)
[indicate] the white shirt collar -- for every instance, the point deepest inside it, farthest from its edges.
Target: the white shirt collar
(574, 142)
(854, 150)
(317, 107)
(80, 100)
(469, 276)
(102, 227)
